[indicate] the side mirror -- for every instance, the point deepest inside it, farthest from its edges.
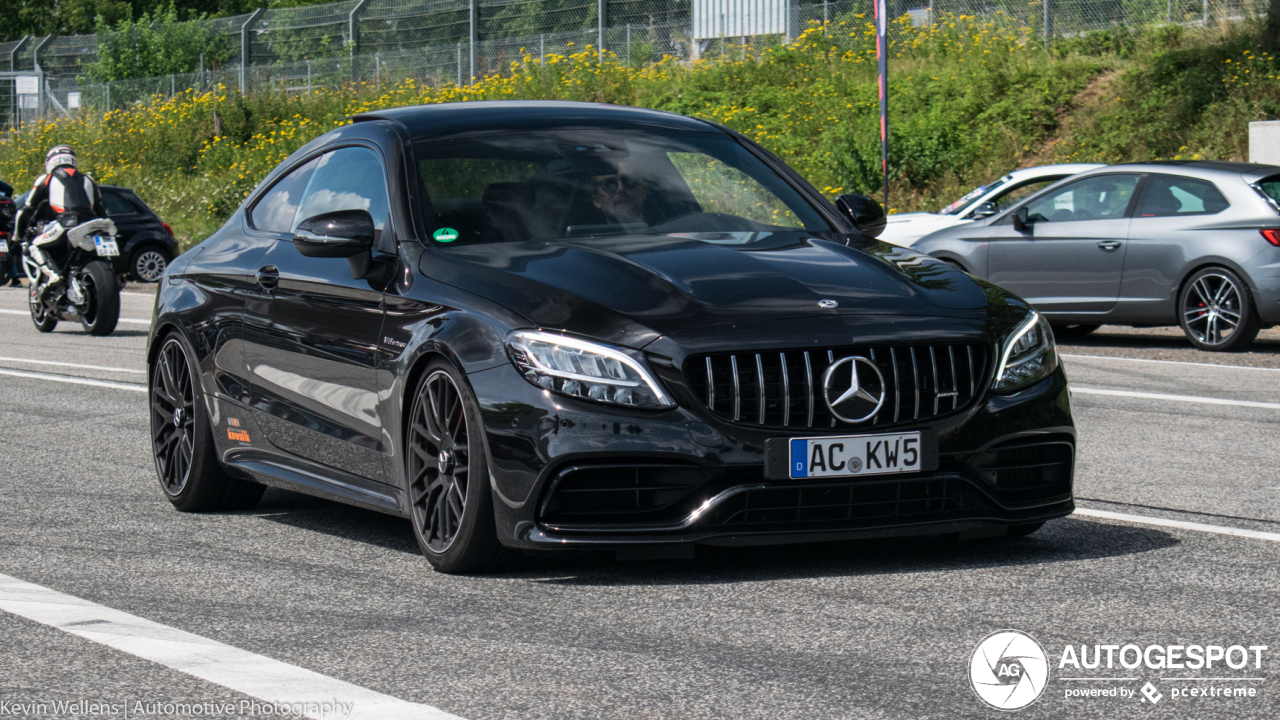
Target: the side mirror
(1021, 222)
(865, 214)
(986, 209)
(340, 234)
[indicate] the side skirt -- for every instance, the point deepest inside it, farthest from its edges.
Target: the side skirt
(323, 482)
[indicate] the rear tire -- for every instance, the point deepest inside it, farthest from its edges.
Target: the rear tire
(1213, 300)
(452, 504)
(102, 293)
(41, 316)
(182, 438)
(148, 263)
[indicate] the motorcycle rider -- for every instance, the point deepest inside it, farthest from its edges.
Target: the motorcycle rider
(64, 194)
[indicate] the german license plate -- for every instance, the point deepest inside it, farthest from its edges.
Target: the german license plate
(106, 246)
(855, 455)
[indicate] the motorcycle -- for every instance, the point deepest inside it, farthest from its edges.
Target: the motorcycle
(88, 292)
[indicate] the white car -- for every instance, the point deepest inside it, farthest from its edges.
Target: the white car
(980, 202)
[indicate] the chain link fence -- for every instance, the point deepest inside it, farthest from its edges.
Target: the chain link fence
(458, 41)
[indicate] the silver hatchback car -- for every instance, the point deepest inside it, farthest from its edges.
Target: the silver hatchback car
(1195, 244)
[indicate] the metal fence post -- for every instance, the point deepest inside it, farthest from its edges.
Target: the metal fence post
(1206, 13)
(603, 7)
(35, 56)
(459, 64)
(244, 45)
(13, 54)
(39, 49)
(1168, 14)
(1048, 22)
(628, 44)
(353, 30)
(475, 36)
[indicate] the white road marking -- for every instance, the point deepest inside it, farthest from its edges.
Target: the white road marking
(1168, 362)
(271, 681)
(76, 380)
(149, 295)
(32, 361)
(1180, 524)
(138, 321)
(1175, 398)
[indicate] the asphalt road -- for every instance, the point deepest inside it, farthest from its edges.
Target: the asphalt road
(852, 630)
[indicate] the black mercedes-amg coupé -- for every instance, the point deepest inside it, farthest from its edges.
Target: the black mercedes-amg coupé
(530, 325)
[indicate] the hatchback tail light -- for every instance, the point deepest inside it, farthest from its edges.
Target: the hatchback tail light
(169, 230)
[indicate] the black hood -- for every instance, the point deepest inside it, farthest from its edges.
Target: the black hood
(631, 290)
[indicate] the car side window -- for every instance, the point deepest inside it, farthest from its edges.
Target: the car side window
(1172, 195)
(349, 178)
(276, 210)
(1014, 195)
(1101, 197)
(117, 205)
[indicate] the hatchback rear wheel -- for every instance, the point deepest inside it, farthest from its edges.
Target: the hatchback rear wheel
(1216, 311)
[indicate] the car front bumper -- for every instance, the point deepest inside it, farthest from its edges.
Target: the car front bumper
(571, 473)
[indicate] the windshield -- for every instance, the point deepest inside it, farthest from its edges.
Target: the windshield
(593, 182)
(972, 196)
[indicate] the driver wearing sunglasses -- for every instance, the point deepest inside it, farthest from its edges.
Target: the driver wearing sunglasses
(620, 197)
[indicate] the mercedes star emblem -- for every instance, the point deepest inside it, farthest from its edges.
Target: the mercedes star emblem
(853, 388)
(828, 304)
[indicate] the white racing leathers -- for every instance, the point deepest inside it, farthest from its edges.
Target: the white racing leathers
(68, 198)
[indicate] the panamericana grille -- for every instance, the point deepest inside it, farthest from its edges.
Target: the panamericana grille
(783, 389)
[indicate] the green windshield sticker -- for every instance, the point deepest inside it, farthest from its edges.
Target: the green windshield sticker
(445, 235)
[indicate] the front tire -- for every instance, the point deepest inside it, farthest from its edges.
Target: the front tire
(102, 298)
(182, 438)
(41, 315)
(1217, 312)
(452, 504)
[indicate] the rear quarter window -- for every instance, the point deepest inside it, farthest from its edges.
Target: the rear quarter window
(1270, 187)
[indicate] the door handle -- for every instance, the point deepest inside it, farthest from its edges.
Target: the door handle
(268, 277)
(1109, 244)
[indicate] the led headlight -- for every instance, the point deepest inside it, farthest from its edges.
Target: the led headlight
(1028, 355)
(586, 370)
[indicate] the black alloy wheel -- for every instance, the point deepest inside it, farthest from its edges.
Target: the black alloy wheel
(173, 417)
(452, 506)
(1216, 311)
(182, 440)
(42, 316)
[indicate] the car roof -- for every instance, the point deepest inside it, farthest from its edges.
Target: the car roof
(1065, 169)
(1203, 168)
(427, 121)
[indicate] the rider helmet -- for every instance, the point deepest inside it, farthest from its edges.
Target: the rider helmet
(59, 156)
